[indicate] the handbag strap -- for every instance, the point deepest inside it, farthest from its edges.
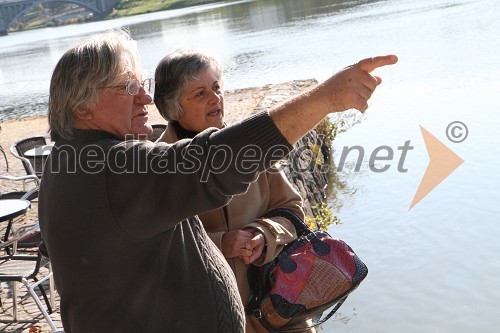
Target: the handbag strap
(298, 223)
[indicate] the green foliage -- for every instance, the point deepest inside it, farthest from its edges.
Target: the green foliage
(323, 218)
(133, 7)
(329, 128)
(318, 157)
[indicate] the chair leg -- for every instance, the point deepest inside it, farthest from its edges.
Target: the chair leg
(44, 295)
(14, 300)
(38, 302)
(51, 286)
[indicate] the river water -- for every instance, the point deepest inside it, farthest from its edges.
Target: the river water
(434, 268)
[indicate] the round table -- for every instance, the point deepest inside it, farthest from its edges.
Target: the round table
(39, 151)
(11, 208)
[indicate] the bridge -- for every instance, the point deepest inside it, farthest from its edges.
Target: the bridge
(11, 10)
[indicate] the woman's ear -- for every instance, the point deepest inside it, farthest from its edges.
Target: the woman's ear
(83, 114)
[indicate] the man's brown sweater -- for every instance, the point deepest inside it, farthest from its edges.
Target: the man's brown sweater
(118, 219)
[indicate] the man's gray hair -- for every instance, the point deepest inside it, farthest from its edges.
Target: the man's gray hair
(102, 60)
(172, 76)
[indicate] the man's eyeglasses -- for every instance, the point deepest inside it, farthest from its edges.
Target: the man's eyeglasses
(134, 86)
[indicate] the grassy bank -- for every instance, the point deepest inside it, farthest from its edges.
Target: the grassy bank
(133, 7)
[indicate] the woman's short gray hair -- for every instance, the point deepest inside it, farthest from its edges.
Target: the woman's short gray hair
(172, 76)
(100, 61)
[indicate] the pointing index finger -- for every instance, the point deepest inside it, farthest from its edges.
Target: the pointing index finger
(370, 64)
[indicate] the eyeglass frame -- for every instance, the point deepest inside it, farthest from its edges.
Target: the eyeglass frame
(129, 83)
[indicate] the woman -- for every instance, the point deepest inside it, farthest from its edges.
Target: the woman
(189, 95)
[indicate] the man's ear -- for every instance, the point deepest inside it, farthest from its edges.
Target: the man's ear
(83, 114)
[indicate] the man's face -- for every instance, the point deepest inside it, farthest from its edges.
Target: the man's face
(119, 113)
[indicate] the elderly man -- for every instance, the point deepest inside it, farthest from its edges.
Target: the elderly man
(119, 216)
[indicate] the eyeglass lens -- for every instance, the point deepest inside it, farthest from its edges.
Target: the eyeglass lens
(149, 86)
(134, 86)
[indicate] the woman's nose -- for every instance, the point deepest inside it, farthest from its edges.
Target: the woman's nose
(215, 97)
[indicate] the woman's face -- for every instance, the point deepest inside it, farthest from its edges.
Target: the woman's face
(202, 103)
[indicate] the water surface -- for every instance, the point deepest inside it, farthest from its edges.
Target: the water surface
(432, 269)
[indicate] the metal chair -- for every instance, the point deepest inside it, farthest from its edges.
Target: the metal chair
(5, 156)
(19, 194)
(3, 153)
(158, 130)
(32, 165)
(24, 269)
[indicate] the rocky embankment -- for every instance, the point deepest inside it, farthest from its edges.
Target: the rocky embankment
(307, 165)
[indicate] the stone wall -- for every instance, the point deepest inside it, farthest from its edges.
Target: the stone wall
(306, 167)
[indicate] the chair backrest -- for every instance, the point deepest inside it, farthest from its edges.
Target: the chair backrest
(32, 165)
(14, 193)
(21, 234)
(4, 156)
(158, 130)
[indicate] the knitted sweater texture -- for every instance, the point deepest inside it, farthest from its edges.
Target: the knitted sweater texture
(119, 221)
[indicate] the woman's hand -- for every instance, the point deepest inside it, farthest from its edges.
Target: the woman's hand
(247, 244)
(237, 243)
(257, 245)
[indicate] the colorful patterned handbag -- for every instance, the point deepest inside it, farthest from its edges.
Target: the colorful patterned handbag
(310, 275)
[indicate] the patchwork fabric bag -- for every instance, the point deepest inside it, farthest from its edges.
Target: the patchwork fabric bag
(311, 275)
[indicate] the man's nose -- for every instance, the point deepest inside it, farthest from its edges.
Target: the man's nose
(143, 97)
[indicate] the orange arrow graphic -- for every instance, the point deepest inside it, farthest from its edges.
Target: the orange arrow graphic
(442, 163)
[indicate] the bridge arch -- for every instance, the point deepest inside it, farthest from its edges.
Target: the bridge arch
(95, 6)
(36, 3)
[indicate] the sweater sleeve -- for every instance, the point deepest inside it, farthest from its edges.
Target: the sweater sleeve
(152, 187)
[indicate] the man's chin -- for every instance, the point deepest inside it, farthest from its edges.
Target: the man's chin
(142, 131)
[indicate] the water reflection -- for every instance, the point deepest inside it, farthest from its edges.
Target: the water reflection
(253, 39)
(345, 178)
(343, 186)
(244, 59)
